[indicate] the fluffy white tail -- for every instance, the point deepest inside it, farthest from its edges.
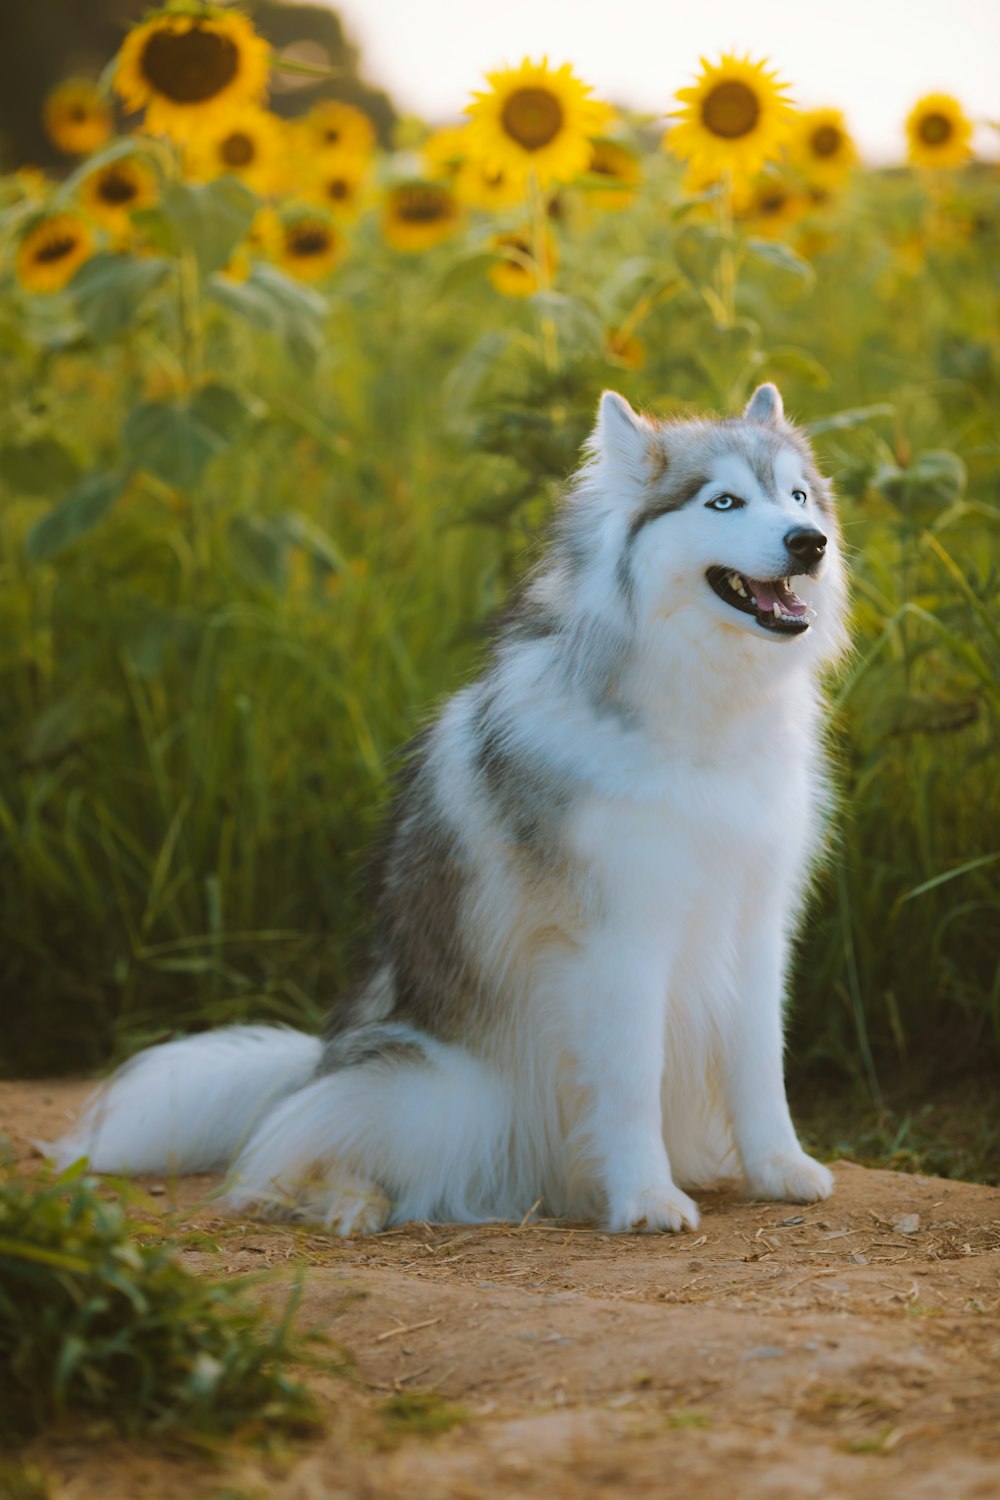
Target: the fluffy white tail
(190, 1105)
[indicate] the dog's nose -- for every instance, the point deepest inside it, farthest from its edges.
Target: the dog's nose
(806, 543)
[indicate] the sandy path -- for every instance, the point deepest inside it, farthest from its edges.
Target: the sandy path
(847, 1349)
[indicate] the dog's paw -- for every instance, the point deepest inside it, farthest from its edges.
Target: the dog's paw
(356, 1211)
(790, 1179)
(653, 1211)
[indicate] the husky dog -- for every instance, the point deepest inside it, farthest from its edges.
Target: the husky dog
(589, 885)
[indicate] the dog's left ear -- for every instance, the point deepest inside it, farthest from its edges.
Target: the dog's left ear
(765, 405)
(621, 440)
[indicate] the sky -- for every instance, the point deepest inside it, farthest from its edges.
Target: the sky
(871, 58)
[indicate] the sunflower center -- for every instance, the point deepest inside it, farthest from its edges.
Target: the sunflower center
(189, 67)
(935, 129)
(116, 188)
(308, 239)
(77, 113)
(730, 110)
(57, 248)
(422, 205)
(339, 189)
(773, 202)
(533, 118)
(238, 149)
(825, 141)
(332, 135)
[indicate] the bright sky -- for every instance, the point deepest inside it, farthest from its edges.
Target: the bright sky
(871, 58)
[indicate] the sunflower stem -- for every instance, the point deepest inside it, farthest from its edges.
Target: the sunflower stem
(727, 260)
(539, 230)
(189, 303)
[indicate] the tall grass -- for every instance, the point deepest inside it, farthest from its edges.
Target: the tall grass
(202, 693)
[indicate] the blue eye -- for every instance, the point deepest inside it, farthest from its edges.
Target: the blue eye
(724, 502)
(799, 496)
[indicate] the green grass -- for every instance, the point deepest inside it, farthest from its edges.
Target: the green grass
(96, 1327)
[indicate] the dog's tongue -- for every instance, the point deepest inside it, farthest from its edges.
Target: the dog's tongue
(767, 595)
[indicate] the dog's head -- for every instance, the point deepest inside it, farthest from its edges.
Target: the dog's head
(729, 522)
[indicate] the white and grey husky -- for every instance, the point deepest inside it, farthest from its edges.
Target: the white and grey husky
(588, 887)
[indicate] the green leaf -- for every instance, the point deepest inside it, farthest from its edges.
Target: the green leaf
(272, 302)
(42, 466)
(109, 290)
(210, 218)
(260, 549)
(88, 504)
(854, 416)
(788, 359)
(698, 251)
(220, 409)
(782, 257)
(168, 440)
(935, 478)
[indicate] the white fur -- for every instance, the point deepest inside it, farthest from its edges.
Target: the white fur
(626, 1042)
(188, 1106)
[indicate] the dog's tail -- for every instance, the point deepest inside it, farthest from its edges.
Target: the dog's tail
(190, 1105)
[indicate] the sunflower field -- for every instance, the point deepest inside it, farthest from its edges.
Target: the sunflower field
(283, 416)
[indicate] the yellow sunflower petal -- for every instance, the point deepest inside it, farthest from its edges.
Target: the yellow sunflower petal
(821, 147)
(419, 214)
(51, 251)
(535, 120)
(76, 118)
(335, 125)
(309, 245)
(188, 71)
(938, 132)
(736, 117)
(110, 193)
(518, 271)
(249, 144)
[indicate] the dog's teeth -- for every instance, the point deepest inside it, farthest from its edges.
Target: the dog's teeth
(734, 582)
(776, 609)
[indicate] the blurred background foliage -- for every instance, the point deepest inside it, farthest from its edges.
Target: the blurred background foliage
(43, 44)
(255, 520)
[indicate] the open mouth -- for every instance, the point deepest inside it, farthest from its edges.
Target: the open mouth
(772, 602)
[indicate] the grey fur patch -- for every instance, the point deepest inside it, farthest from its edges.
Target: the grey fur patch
(676, 497)
(388, 1042)
(527, 797)
(426, 875)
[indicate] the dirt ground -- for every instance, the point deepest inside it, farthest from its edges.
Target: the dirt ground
(847, 1349)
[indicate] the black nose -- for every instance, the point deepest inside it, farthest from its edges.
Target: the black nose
(806, 543)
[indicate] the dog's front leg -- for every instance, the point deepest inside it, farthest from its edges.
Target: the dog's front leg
(775, 1164)
(619, 1019)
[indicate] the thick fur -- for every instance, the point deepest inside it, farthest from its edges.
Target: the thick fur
(589, 885)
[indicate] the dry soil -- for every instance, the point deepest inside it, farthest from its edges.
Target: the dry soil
(847, 1349)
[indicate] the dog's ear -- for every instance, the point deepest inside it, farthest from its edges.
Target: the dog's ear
(765, 405)
(622, 441)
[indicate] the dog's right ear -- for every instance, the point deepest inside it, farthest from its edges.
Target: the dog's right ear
(621, 441)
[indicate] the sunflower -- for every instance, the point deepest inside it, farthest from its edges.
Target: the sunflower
(735, 118)
(624, 349)
(110, 193)
(190, 69)
(339, 183)
(488, 187)
(52, 250)
(821, 147)
(249, 145)
(419, 214)
(516, 272)
(770, 203)
(309, 245)
(938, 132)
(445, 150)
(76, 118)
(336, 126)
(535, 120)
(615, 162)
